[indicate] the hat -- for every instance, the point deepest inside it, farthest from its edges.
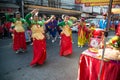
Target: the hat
(82, 19)
(104, 14)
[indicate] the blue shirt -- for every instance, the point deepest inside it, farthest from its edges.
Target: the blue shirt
(103, 24)
(116, 22)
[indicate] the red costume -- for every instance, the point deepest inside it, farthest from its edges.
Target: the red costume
(66, 40)
(82, 35)
(118, 29)
(66, 45)
(39, 43)
(39, 49)
(19, 41)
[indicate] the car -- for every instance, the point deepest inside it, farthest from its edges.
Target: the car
(96, 22)
(74, 29)
(88, 21)
(93, 20)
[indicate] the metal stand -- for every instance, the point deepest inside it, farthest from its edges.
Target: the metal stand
(22, 2)
(106, 34)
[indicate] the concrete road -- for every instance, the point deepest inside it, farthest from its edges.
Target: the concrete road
(16, 66)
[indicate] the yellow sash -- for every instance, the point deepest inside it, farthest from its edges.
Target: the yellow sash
(19, 26)
(66, 30)
(37, 32)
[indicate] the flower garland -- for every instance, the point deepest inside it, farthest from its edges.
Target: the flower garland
(115, 42)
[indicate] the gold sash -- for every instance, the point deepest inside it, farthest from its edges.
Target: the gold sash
(37, 32)
(19, 26)
(66, 30)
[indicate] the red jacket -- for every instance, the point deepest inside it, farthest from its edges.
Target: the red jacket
(118, 30)
(7, 25)
(1, 29)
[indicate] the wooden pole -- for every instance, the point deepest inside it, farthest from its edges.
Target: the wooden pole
(106, 34)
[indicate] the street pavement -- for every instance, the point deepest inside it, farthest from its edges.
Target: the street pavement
(16, 66)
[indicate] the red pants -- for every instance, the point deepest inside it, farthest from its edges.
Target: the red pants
(66, 45)
(19, 41)
(39, 48)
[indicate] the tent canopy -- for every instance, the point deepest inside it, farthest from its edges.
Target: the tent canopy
(50, 10)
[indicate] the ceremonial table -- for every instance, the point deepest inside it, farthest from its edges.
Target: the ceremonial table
(89, 66)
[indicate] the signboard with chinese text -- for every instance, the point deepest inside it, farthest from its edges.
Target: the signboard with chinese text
(96, 2)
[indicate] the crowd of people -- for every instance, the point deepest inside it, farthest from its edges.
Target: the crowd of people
(37, 29)
(5, 30)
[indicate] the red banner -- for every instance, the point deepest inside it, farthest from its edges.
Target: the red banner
(96, 2)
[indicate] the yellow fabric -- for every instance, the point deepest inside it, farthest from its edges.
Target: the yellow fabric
(92, 27)
(115, 38)
(71, 34)
(37, 32)
(81, 38)
(19, 26)
(66, 30)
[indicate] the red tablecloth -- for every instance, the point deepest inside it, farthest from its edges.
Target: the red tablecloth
(89, 69)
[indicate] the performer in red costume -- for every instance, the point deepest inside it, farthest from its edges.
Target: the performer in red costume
(82, 33)
(19, 43)
(39, 43)
(66, 40)
(118, 29)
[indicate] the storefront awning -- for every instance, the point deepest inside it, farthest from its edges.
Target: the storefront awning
(50, 10)
(8, 8)
(8, 5)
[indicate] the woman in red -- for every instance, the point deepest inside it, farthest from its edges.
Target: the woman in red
(19, 42)
(118, 29)
(39, 43)
(66, 40)
(82, 33)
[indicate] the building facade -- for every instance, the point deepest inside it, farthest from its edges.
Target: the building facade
(8, 6)
(52, 5)
(66, 4)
